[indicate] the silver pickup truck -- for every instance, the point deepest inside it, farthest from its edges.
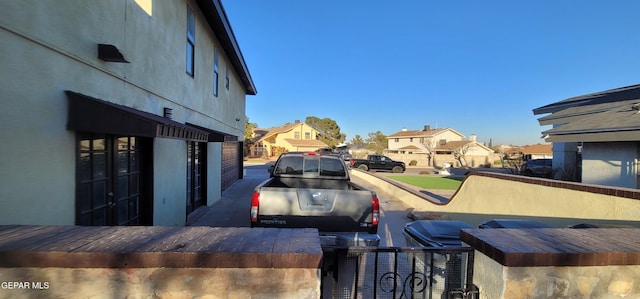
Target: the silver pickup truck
(312, 190)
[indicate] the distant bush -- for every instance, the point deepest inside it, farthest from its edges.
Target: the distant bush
(413, 163)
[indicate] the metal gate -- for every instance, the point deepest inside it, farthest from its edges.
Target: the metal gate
(398, 272)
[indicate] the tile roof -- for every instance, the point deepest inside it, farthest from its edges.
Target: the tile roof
(410, 147)
(262, 134)
(452, 145)
(306, 142)
(537, 149)
(417, 133)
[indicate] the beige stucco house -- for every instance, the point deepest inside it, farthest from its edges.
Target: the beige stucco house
(420, 141)
(434, 147)
(294, 137)
(465, 153)
(120, 112)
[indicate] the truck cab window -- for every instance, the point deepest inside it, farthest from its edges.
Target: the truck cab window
(290, 165)
(311, 165)
(330, 167)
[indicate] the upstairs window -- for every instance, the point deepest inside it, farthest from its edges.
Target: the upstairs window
(191, 42)
(215, 72)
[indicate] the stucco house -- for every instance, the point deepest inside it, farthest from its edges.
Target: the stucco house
(465, 153)
(434, 147)
(420, 141)
(123, 112)
(294, 137)
(527, 152)
(596, 136)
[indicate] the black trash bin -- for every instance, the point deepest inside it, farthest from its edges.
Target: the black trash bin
(434, 233)
(513, 223)
(444, 269)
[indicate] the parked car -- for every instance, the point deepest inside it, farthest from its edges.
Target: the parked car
(314, 190)
(378, 162)
(345, 156)
(537, 167)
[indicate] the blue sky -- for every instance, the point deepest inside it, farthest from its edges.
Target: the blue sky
(478, 67)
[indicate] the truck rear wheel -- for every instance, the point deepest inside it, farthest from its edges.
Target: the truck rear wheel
(363, 167)
(397, 169)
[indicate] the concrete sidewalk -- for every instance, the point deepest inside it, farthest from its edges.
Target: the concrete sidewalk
(232, 210)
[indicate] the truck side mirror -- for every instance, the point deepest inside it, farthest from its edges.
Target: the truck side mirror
(270, 169)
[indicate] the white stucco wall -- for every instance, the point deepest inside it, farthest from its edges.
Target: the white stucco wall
(480, 198)
(37, 156)
(214, 172)
(51, 46)
(564, 160)
(610, 164)
(170, 186)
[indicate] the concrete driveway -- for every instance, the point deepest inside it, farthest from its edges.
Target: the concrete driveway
(232, 210)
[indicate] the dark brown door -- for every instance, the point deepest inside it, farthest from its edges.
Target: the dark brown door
(231, 163)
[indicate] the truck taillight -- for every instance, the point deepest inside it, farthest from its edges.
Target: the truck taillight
(375, 204)
(255, 203)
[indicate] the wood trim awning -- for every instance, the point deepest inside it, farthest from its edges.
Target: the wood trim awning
(215, 136)
(88, 114)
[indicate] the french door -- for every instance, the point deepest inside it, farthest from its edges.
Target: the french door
(196, 175)
(110, 181)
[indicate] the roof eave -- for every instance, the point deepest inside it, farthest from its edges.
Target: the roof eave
(608, 136)
(219, 23)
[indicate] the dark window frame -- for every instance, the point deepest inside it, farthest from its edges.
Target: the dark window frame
(216, 69)
(191, 42)
(226, 80)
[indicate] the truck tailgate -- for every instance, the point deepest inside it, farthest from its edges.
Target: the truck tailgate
(328, 210)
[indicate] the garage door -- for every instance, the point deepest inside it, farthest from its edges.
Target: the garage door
(231, 163)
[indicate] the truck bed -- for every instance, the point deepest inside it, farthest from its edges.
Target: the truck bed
(314, 191)
(335, 209)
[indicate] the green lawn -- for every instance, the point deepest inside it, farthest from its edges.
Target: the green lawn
(429, 182)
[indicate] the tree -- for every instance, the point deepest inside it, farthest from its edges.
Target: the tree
(329, 131)
(248, 135)
(460, 153)
(430, 144)
(377, 142)
(357, 140)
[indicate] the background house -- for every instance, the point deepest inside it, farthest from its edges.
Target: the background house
(118, 112)
(294, 137)
(596, 136)
(434, 147)
(465, 153)
(420, 141)
(527, 152)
